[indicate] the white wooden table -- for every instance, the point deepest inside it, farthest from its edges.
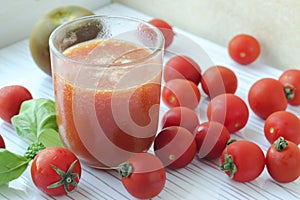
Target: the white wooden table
(201, 179)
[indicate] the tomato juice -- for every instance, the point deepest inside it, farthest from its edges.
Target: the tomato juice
(107, 96)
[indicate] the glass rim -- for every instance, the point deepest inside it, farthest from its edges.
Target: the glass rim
(52, 47)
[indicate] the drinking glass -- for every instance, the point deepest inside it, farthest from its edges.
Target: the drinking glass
(107, 73)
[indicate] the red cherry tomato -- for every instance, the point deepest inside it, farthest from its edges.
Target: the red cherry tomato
(56, 171)
(143, 175)
(244, 49)
(283, 161)
(230, 110)
(243, 161)
(166, 30)
(282, 124)
(290, 79)
(218, 80)
(181, 92)
(267, 96)
(182, 67)
(2, 144)
(175, 146)
(180, 116)
(211, 138)
(11, 98)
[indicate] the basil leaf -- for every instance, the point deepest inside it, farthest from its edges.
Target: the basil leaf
(12, 166)
(50, 138)
(37, 120)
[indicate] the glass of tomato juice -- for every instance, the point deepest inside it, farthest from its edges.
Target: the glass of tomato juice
(107, 73)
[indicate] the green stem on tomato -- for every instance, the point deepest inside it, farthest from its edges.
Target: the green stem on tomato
(67, 178)
(228, 165)
(231, 140)
(281, 144)
(125, 169)
(289, 91)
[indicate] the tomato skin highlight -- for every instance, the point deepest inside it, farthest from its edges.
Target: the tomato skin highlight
(211, 138)
(244, 49)
(230, 110)
(2, 143)
(180, 116)
(218, 80)
(248, 158)
(11, 98)
(182, 67)
(284, 165)
(181, 92)
(282, 124)
(291, 78)
(166, 30)
(43, 175)
(267, 96)
(147, 178)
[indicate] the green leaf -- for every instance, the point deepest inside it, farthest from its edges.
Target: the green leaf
(50, 138)
(12, 166)
(37, 122)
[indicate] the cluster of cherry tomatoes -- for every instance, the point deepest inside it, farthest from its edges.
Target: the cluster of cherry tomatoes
(183, 136)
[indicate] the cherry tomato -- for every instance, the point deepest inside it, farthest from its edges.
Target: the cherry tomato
(166, 30)
(180, 116)
(290, 79)
(230, 110)
(175, 146)
(56, 171)
(182, 67)
(282, 124)
(243, 161)
(218, 80)
(283, 161)
(2, 144)
(211, 138)
(11, 98)
(181, 92)
(267, 96)
(244, 49)
(143, 175)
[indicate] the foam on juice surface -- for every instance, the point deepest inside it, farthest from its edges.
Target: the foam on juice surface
(106, 56)
(106, 52)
